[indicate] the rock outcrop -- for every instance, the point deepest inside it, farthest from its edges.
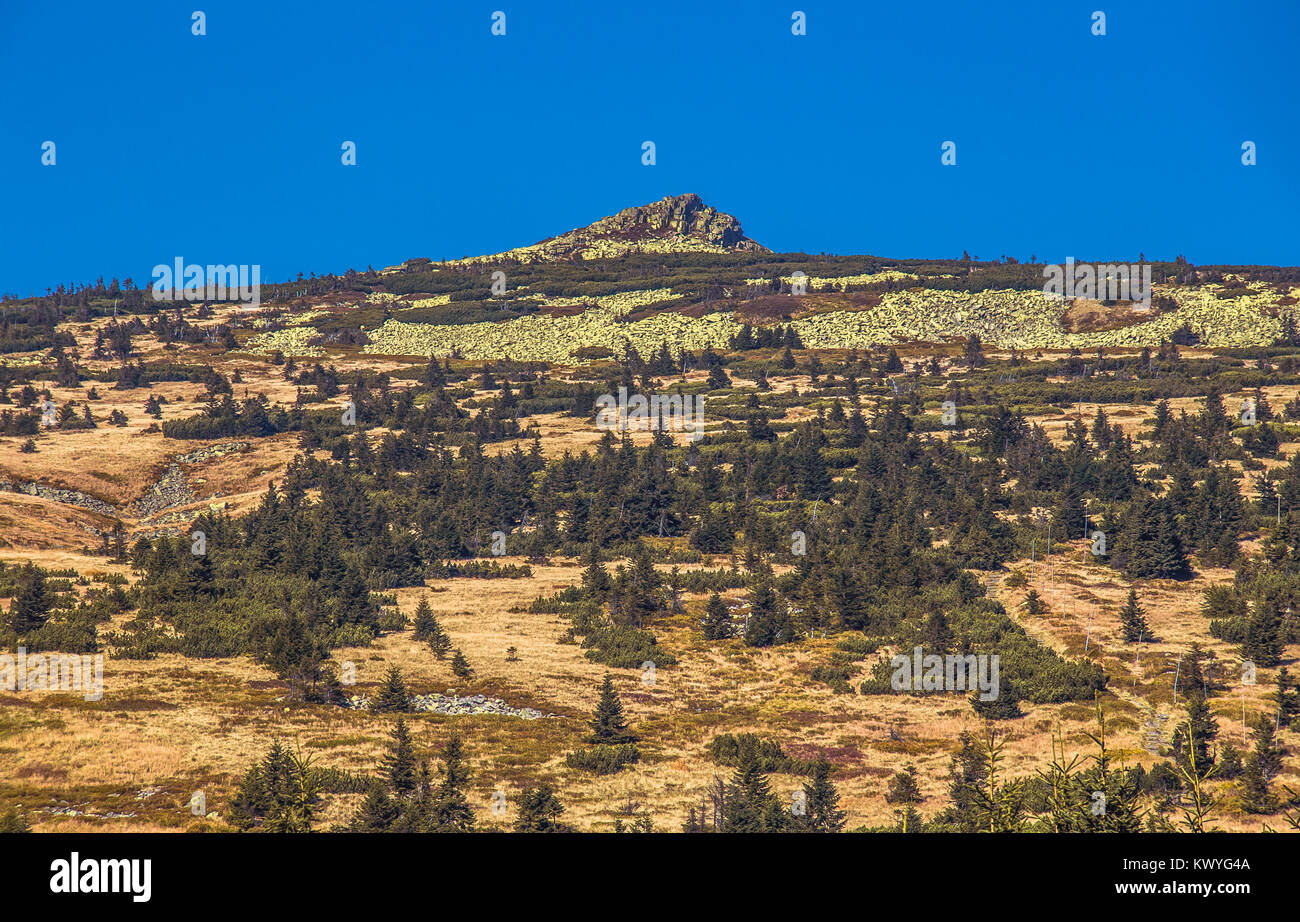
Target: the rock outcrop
(674, 224)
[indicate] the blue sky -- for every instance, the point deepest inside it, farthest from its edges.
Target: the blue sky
(226, 147)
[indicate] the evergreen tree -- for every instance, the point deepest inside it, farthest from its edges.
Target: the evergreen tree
(822, 801)
(608, 725)
(31, 606)
(769, 621)
(399, 764)
(428, 629)
(460, 666)
(1256, 796)
(1287, 698)
(750, 805)
(1132, 620)
(1006, 706)
(1266, 749)
(595, 579)
(378, 812)
(1262, 643)
(452, 811)
(424, 622)
(966, 775)
(539, 811)
(1192, 739)
(717, 619)
(393, 694)
(903, 788)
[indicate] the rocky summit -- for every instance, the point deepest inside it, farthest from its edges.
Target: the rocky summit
(674, 224)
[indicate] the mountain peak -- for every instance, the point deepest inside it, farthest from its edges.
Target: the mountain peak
(674, 224)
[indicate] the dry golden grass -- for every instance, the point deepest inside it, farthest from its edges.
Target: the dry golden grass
(172, 726)
(183, 725)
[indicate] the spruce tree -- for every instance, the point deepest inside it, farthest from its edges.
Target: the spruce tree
(1132, 620)
(717, 619)
(1263, 643)
(966, 773)
(393, 695)
(769, 621)
(460, 666)
(822, 801)
(539, 811)
(399, 764)
(750, 805)
(1256, 797)
(595, 578)
(32, 602)
(1006, 706)
(452, 811)
(425, 623)
(904, 791)
(1287, 698)
(378, 812)
(1266, 750)
(608, 725)
(1192, 739)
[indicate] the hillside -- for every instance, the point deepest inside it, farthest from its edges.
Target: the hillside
(401, 482)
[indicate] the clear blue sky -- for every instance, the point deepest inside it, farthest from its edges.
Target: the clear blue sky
(226, 148)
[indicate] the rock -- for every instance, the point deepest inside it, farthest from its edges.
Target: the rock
(455, 706)
(674, 224)
(67, 497)
(171, 491)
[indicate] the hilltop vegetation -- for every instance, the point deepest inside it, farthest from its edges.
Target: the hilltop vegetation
(382, 514)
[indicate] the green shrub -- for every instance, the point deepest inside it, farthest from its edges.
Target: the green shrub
(603, 760)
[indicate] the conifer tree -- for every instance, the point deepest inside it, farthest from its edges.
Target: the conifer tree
(424, 623)
(966, 773)
(904, 791)
(595, 578)
(822, 801)
(452, 811)
(1192, 739)
(1267, 751)
(1132, 620)
(460, 666)
(539, 811)
(399, 764)
(769, 621)
(393, 695)
(31, 606)
(1263, 643)
(378, 812)
(1287, 698)
(717, 619)
(1256, 796)
(999, 805)
(608, 725)
(750, 804)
